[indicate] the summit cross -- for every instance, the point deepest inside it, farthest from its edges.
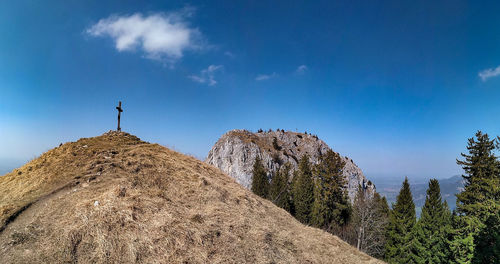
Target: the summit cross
(120, 110)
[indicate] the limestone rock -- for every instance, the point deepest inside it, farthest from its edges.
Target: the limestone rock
(235, 153)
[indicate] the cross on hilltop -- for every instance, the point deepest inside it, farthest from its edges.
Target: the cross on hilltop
(120, 110)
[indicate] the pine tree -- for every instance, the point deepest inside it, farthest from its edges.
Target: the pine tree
(461, 244)
(331, 204)
(481, 195)
(279, 188)
(488, 242)
(401, 223)
(293, 183)
(303, 188)
(382, 215)
(448, 231)
(417, 251)
(429, 237)
(260, 183)
(480, 198)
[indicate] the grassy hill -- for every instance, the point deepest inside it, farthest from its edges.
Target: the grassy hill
(117, 199)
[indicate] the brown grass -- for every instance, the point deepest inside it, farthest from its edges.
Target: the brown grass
(116, 199)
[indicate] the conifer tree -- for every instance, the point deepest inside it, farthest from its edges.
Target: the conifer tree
(260, 183)
(415, 248)
(279, 188)
(303, 188)
(488, 242)
(295, 176)
(480, 198)
(382, 215)
(481, 194)
(331, 204)
(446, 231)
(401, 223)
(429, 237)
(461, 241)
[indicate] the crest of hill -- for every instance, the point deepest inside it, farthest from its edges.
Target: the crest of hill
(114, 198)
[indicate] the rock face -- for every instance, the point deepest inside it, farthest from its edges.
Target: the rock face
(235, 153)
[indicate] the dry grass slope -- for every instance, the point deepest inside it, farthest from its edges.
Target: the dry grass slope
(116, 199)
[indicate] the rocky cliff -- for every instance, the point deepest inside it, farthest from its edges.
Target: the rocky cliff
(235, 152)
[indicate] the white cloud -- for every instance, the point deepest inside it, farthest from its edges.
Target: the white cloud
(262, 77)
(207, 75)
(197, 78)
(301, 69)
(229, 54)
(160, 36)
(489, 73)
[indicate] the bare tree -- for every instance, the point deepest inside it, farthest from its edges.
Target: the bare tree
(369, 219)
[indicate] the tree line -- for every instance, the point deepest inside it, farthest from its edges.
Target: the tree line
(316, 195)
(469, 234)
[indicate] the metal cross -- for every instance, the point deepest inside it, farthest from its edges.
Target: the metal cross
(119, 108)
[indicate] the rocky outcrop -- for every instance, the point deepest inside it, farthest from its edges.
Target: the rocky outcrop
(235, 152)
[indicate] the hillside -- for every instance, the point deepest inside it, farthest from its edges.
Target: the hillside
(235, 152)
(115, 198)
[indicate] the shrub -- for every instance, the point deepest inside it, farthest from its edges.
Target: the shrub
(275, 144)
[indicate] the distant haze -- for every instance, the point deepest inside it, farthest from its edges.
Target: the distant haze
(449, 188)
(8, 165)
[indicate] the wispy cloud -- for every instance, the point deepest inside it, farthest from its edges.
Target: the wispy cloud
(263, 77)
(301, 69)
(159, 36)
(207, 75)
(489, 73)
(229, 54)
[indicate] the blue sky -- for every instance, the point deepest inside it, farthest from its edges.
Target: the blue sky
(399, 87)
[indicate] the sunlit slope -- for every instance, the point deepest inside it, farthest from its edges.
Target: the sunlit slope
(114, 198)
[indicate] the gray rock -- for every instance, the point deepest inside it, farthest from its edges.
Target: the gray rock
(235, 153)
